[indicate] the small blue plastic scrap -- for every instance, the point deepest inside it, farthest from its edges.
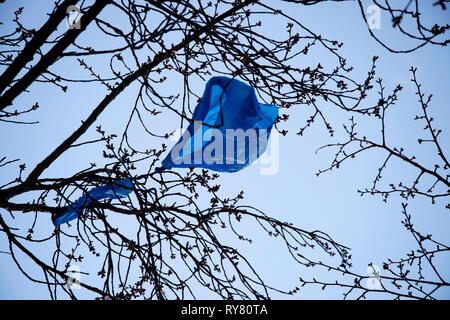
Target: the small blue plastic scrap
(117, 189)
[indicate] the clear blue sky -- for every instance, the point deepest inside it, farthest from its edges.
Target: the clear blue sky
(330, 202)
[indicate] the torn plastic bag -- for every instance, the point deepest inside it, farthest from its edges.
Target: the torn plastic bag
(117, 189)
(230, 129)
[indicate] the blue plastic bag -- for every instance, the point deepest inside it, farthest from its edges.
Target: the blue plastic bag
(230, 129)
(118, 189)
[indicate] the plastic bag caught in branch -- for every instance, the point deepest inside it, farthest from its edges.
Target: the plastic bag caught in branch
(117, 189)
(230, 129)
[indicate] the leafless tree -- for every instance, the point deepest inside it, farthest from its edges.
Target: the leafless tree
(173, 244)
(405, 277)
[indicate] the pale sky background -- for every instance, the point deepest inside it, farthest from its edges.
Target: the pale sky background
(371, 228)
